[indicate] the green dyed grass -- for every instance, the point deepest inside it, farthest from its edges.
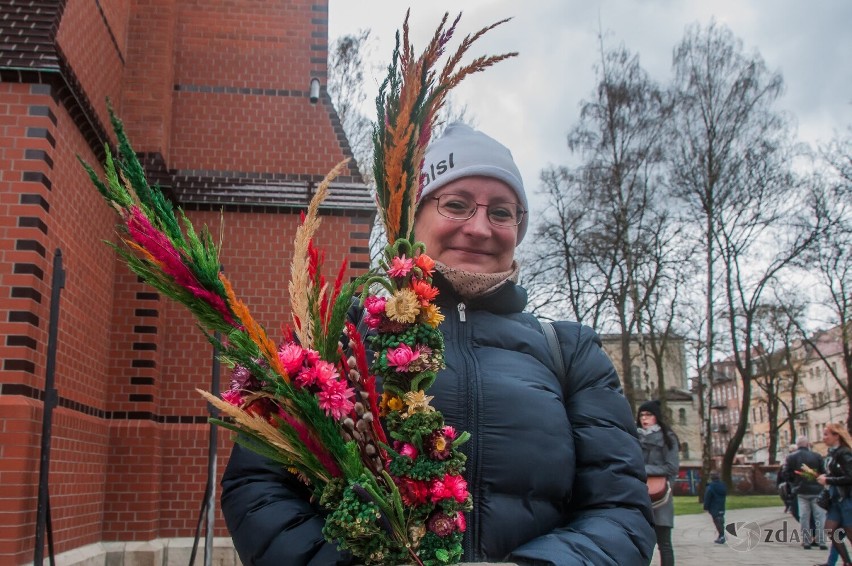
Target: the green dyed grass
(689, 505)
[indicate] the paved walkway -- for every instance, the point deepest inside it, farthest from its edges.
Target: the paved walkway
(693, 540)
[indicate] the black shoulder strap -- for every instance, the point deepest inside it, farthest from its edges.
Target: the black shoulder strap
(555, 352)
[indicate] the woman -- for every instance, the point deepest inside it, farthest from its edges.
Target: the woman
(660, 450)
(545, 490)
(838, 479)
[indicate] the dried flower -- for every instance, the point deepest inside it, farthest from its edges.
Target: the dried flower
(450, 486)
(461, 522)
(375, 305)
(426, 264)
(437, 445)
(233, 397)
(413, 492)
(424, 291)
(336, 399)
(292, 356)
(241, 378)
(400, 266)
(403, 306)
(408, 450)
(431, 315)
(401, 357)
(417, 402)
(441, 524)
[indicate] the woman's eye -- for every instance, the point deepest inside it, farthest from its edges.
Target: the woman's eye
(456, 205)
(501, 212)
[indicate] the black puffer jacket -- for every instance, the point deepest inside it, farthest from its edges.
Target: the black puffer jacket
(802, 486)
(554, 481)
(838, 471)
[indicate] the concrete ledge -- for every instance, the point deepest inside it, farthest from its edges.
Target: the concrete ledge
(157, 552)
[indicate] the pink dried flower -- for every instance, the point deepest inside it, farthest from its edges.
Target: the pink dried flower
(408, 450)
(336, 399)
(375, 305)
(372, 321)
(461, 522)
(306, 377)
(400, 266)
(325, 372)
(233, 397)
(450, 486)
(449, 432)
(311, 357)
(401, 356)
(292, 356)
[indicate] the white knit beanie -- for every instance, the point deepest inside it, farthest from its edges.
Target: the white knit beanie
(464, 152)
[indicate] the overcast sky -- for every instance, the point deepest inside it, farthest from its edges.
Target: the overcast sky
(531, 101)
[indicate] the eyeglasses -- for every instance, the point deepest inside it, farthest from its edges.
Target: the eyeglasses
(460, 207)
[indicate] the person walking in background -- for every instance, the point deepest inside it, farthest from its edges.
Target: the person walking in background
(660, 450)
(785, 487)
(838, 479)
(806, 489)
(714, 503)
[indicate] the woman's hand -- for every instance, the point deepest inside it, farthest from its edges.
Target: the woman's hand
(821, 479)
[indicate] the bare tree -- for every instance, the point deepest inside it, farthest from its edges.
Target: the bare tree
(731, 167)
(777, 365)
(605, 253)
(557, 271)
(347, 58)
(831, 261)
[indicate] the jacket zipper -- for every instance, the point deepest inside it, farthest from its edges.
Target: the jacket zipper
(470, 542)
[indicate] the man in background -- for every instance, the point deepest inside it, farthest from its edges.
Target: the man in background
(802, 467)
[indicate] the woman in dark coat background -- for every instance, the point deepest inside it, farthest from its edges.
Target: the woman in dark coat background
(660, 450)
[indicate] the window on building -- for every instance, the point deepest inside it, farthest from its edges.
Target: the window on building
(681, 416)
(803, 430)
(684, 450)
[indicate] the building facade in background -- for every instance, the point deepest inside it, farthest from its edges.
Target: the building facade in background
(215, 96)
(802, 381)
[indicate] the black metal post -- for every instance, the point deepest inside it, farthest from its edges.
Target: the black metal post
(212, 452)
(51, 399)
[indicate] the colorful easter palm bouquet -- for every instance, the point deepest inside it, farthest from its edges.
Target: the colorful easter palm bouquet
(310, 402)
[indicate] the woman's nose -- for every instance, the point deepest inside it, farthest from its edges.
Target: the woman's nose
(478, 223)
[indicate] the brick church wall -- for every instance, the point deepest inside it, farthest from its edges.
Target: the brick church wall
(210, 92)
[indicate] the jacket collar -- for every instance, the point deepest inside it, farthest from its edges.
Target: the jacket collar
(507, 299)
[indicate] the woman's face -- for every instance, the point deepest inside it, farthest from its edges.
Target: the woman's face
(474, 244)
(647, 419)
(830, 437)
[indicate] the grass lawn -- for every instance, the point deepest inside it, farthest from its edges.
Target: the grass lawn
(689, 505)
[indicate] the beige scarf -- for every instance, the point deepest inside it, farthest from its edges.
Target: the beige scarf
(470, 285)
